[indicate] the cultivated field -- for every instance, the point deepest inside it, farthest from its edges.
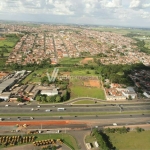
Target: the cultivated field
(131, 141)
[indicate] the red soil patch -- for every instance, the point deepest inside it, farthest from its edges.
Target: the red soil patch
(65, 73)
(2, 38)
(92, 83)
(13, 123)
(86, 60)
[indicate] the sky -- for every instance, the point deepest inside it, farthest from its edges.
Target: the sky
(132, 13)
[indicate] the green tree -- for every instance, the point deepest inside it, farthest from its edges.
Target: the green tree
(58, 99)
(43, 98)
(139, 129)
(19, 99)
(38, 98)
(48, 98)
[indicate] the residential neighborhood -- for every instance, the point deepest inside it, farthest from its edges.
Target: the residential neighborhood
(55, 42)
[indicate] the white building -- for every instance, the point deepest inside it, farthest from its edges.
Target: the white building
(5, 96)
(129, 92)
(146, 94)
(51, 92)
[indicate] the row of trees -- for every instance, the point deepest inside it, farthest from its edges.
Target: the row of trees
(103, 140)
(53, 99)
(116, 130)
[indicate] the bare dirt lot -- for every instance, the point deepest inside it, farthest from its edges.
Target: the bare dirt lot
(86, 60)
(92, 83)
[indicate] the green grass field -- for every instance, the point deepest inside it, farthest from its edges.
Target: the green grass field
(70, 60)
(147, 43)
(89, 139)
(39, 73)
(85, 72)
(86, 102)
(78, 90)
(131, 140)
(123, 31)
(9, 41)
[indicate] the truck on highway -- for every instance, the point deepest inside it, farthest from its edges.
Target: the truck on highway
(60, 109)
(53, 131)
(1, 119)
(20, 104)
(114, 124)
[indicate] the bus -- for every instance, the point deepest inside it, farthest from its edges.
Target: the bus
(60, 109)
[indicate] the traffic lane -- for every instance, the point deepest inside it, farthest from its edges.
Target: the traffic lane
(62, 105)
(93, 117)
(70, 110)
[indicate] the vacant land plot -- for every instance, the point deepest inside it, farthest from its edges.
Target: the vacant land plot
(131, 141)
(35, 77)
(70, 60)
(9, 42)
(79, 90)
(87, 72)
(92, 83)
(86, 60)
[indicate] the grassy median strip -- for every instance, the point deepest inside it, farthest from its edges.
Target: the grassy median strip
(75, 113)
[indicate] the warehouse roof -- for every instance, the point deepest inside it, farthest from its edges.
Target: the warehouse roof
(6, 83)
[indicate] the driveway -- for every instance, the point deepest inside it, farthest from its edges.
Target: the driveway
(80, 135)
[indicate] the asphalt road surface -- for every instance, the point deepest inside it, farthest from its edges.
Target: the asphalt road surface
(31, 109)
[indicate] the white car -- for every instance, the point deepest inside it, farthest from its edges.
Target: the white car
(47, 110)
(6, 105)
(38, 106)
(32, 109)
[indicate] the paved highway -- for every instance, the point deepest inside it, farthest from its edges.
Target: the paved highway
(34, 109)
(92, 117)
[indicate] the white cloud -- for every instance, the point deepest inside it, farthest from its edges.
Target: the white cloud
(139, 4)
(113, 3)
(145, 14)
(146, 5)
(119, 12)
(136, 4)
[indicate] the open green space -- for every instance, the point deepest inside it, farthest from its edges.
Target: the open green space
(89, 139)
(120, 73)
(123, 31)
(70, 60)
(10, 41)
(35, 77)
(86, 102)
(131, 140)
(84, 72)
(78, 91)
(147, 43)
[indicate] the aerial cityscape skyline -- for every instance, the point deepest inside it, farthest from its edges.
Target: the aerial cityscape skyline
(134, 13)
(74, 74)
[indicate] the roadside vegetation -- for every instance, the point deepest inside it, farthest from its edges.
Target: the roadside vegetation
(120, 138)
(86, 102)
